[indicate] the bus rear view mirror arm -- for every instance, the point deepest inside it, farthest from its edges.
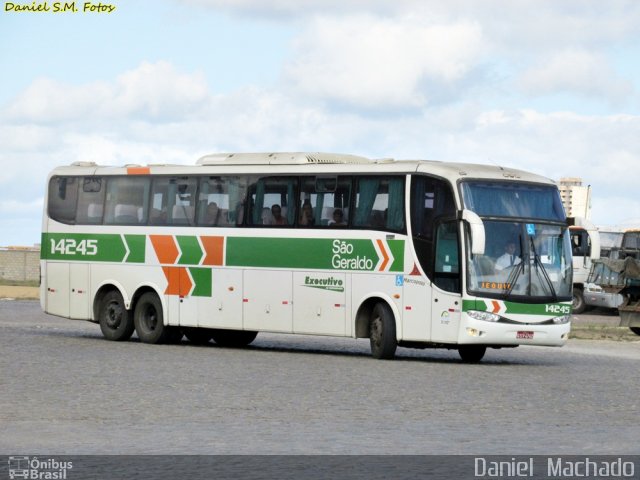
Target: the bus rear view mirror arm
(477, 231)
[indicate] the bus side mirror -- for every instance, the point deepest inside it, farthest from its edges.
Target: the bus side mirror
(477, 231)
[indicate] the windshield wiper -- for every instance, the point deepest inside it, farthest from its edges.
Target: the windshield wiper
(515, 273)
(538, 263)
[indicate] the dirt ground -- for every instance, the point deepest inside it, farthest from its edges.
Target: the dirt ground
(22, 293)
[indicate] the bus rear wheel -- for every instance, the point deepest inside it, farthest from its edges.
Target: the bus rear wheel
(233, 338)
(115, 320)
(471, 353)
(149, 320)
(382, 333)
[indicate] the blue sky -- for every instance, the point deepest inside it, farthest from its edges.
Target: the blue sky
(547, 86)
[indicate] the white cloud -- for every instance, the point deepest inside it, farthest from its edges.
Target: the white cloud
(152, 90)
(374, 62)
(575, 71)
(18, 208)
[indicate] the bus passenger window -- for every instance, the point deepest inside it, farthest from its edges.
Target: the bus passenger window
(219, 200)
(380, 203)
(173, 201)
(272, 201)
(63, 196)
(127, 200)
(91, 201)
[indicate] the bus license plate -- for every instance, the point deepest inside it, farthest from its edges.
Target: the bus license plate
(524, 334)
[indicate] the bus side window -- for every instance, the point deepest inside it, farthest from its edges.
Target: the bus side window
(63, 197)
(127, 201)
(272, 202)
(173, 201)
(380, 203)
(91, 201)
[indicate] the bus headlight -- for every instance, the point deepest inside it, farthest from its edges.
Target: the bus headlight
(484, 316)
(562, 319)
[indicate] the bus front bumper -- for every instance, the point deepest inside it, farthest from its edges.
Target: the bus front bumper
(479, 332)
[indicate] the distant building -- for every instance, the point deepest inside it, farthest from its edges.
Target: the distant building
(576, 198)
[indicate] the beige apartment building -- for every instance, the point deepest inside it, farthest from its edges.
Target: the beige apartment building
(576, 197)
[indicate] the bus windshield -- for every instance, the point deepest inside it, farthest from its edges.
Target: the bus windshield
(531, 261)
(502, 199)
(524, 259)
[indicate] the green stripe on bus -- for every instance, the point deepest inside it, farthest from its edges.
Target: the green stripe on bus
(137, 245)
(397, 250)
(190, 248)
(87, 247)
(202, 280)
(310, 253)
(519, 308)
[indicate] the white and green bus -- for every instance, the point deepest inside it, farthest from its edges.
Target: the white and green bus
(406, 253)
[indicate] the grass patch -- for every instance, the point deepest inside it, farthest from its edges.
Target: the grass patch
(17, 283)
(603, 332)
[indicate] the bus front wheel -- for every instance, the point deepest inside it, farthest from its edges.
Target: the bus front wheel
(471, 353)
(382, 333)
(114, 319)
(149, 320)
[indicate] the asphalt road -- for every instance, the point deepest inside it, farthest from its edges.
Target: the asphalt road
(66, 390)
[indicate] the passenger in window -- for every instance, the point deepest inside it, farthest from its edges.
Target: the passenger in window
(212, 214)
(338, 219)
(276, 213)
(306, 216)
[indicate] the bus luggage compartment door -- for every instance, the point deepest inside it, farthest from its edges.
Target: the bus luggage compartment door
(267, 300)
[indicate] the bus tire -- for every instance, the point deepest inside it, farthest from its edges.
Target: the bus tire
(471, 353)
(233, 338)
(635, 330)
(116, 322)
(149, 320)
(198, 336)
(382, 332)
(578, 301)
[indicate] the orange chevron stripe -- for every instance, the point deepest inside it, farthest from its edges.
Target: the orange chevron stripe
(178, 281)
(214, 249)
(496, 306)
(384, 255)
(165, 247)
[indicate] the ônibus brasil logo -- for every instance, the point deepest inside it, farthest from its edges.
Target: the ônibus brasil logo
(38, 468)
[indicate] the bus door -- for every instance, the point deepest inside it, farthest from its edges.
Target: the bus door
(446, 280)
